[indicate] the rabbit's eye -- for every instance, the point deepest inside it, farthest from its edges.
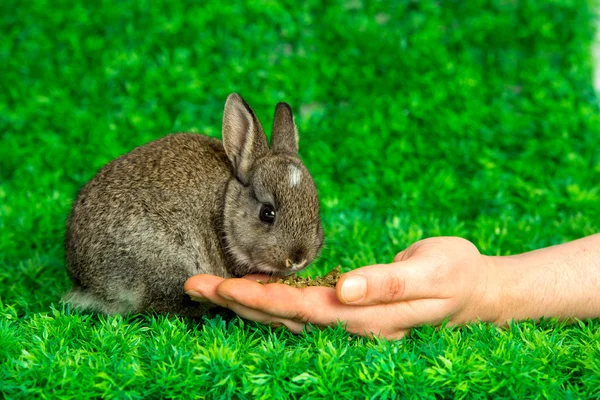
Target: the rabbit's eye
(267, 214)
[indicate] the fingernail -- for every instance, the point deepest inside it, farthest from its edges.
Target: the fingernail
(354, 288)
(225, 296)
(195, 295)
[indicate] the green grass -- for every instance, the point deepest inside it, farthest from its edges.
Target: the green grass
(472, 118)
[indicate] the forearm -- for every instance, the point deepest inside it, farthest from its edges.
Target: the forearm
(559, 281)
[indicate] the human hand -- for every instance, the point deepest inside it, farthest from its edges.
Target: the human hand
(434, 279)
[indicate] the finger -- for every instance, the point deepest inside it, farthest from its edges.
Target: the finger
(415, 249)
(205, 283)
(202, 282)
(388, 283)
(202, 286)
(394, 334)
(258, 277)
(263, 318)
(403, 255)
(282, 301)
(320, 306)
(395, 320)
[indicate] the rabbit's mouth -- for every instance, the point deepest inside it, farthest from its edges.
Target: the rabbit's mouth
(265, 269)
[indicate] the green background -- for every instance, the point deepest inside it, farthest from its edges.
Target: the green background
(417, 118)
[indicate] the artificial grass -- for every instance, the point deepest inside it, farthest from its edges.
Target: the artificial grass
(417, 119)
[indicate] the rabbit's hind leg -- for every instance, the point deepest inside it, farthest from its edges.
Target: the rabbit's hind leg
(119, 300)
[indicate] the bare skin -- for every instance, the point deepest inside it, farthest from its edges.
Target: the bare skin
(434, 279)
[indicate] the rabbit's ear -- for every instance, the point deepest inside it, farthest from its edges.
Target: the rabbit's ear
(243, 137)
(285, 134)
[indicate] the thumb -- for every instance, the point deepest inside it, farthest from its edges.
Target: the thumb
(386, 283)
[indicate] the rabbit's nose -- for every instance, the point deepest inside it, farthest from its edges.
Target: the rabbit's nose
(290, 264)
(297, 254)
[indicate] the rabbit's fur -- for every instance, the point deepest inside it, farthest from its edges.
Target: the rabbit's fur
(188, 204)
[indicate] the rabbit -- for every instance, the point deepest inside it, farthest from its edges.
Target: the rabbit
(190, 204)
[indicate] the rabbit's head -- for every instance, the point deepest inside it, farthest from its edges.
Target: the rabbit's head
(271, 216)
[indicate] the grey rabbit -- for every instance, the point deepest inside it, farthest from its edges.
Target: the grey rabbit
(188, 204)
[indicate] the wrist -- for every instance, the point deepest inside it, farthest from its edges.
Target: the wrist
(508, 296)
(491, 308)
